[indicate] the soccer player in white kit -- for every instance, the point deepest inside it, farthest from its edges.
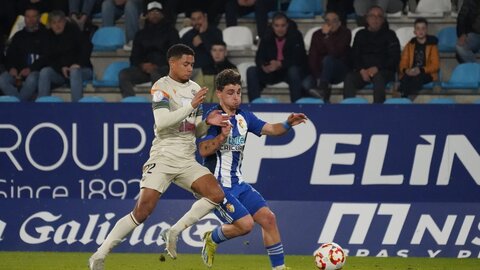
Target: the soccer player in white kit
(178, 122)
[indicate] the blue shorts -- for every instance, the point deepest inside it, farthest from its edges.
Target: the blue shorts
(240, 200)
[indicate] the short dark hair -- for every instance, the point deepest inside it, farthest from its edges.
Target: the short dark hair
(279, 15)
(219, 42)
(421, 20)
(226, 77)
(177, 50)
(375, 7)
(56, 14)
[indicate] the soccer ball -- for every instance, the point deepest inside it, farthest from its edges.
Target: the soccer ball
(329, 256)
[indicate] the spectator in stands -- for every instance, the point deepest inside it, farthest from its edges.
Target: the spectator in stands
(114, 9)
(362, 6)
(468, 31)
(375, 56)
(420, 60)
(148, 59)
(81, 11)
(280, 57)
(236, 8)
(25, 48)
(342, 8)
(328, 57)
(200, 38)
(220, 62)
(67, 57)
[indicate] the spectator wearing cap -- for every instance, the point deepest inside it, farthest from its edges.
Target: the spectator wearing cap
(67, 57)
(148, 59)
(25, 48)
(200, 38)
(208, 74)
(131, 9)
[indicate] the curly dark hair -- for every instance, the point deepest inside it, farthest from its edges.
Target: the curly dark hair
(226, 77)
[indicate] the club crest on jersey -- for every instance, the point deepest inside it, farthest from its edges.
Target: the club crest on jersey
(230, 208)
(193, 92)
(241, 123)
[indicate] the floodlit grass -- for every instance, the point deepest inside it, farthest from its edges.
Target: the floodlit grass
(149, 261)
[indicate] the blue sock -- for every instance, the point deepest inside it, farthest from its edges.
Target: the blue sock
(275, 252)
(218, 236)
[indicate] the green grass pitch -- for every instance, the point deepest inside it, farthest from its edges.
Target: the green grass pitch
(149, 261)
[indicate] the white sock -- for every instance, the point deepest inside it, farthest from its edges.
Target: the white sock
(199, 209)
(121, 229)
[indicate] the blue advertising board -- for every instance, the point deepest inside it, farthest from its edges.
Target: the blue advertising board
(380, 180)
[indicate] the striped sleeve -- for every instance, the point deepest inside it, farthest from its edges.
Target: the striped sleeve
(160, 98)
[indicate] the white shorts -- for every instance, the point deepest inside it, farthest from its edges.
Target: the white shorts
(158, 176)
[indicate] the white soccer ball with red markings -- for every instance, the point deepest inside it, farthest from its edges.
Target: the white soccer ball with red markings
(329, 256)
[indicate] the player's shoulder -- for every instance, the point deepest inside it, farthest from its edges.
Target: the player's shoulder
(160, 89)
(195, 85)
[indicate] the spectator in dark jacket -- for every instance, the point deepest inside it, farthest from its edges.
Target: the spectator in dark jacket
(200, 38)
(328, 56)
(280, 57)
(67, 57)
(468, 31)
(375, 56)
(149, 53)
(25, 48)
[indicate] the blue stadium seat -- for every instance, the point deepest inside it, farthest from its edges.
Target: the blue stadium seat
(298, 9)
(110, 75)
(49, 99)
(447, 38)
(92, 99)
(354, 100)
(135, 99)
(442, 101)
(9, 99)
(109, 38)
(265, 100)
(464, 76)
(398, 101)
(309, 100)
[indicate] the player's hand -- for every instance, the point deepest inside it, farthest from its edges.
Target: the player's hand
(296, 118)
(199, 97)
(216, 118)
(226, 130)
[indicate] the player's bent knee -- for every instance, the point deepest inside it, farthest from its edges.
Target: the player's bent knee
(244, 225)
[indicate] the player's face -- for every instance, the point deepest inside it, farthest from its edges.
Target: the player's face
(231, 96)
(181, 68)
(420, 30)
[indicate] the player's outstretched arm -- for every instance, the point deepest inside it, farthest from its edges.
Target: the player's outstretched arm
(282, 128)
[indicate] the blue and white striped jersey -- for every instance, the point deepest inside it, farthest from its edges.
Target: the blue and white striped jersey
(226, 163)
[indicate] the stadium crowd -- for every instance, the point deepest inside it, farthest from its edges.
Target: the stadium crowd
(53, 47)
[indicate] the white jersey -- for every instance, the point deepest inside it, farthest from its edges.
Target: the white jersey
(175, 143)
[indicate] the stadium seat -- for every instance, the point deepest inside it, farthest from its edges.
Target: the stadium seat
(49, 99)
(9, 99)
(238, 37)
(434, 6)
(404, 35)
(308, 36)
(260, 100)
(110, 75)
(108, 38)
(184, 30)
(442, 101)
(447, 39)
(354, 100)
(242, 69)
(135, 99)
(398, 101)
(354, 32)
(302, 9)
(91, 99)
(464, 76)
(309, 100)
